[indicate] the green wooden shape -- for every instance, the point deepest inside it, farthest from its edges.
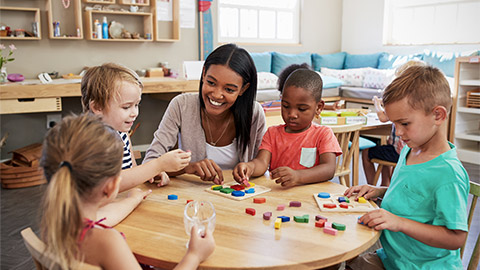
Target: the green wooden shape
(338, 226)
(227, 190)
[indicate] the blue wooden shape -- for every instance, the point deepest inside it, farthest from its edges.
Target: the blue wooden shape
(238, 193)
(172, 197)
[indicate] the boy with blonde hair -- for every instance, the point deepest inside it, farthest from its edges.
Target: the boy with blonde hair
(423, 215)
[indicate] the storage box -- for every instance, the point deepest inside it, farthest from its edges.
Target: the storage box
(348, 120)
(155, 72)
(30, 105)
(473, 98)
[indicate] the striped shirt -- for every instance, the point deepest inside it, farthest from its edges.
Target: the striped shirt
(127, 155)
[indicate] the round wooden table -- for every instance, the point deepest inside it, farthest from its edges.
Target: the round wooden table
(156, 234)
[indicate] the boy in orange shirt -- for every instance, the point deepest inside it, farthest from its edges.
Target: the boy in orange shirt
(299, 151)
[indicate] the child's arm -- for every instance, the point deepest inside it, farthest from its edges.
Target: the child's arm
(432, 235)
(366, 191)
(199, 248)
(382, 116)
(174, 160)
(256, 167)
(119, 209)
(324, 171)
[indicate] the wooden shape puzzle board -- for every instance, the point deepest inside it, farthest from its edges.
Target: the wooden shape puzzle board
(258, 190)
(353, 206)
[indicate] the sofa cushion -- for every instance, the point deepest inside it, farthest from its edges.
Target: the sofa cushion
(329, 81)
(334, 60)
(263, 61)
(361, 60)
(283, 60)
(390, 61)
(266, 80)
(359, 92)
(444, 61)
(378, 78)
(352, 77)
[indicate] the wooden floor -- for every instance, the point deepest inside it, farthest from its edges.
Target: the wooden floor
(20, 209)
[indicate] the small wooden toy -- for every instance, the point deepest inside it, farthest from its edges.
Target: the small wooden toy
(332, 204)
(238, 193)
(338, 226)
(278, 223)
(267, 215)
(189, 201)
(324, 195)
(280, 207)
(250, 211)
(362, 200)
(320, 223)
(259, 200)
(318, 217)
(295, 204)
(301, 219)
(226, 190)
(331, 231)
(237, 187)
(328, 224)
(172, 197)
(284, 218)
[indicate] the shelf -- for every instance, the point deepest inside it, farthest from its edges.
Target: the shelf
(469, 155)
(470, 82)
(167, 31)
(106, 2)
(470, 135)
(469, 110)
(139, 3)
(13, 16)
(146, 22)
(69, 17)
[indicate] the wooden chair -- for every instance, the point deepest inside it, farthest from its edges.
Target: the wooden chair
(473, 264)
(346, 134)
(43, 261)
(381, 163)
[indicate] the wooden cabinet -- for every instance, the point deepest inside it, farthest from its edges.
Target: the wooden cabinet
(466, 116)
(24, 18)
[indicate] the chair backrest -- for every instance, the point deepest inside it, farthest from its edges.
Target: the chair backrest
(42, 260)
(346, 134)
(475, 191)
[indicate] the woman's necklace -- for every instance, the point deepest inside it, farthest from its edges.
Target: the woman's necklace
(210, 131)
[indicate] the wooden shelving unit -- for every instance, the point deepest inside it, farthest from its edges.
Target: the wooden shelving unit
(73, 32)
(18, 22)
(105, 2)
(139, 3)
(145, 17)
(172, 29)
(466, 120)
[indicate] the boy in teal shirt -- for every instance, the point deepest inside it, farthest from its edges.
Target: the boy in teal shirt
(424, 211)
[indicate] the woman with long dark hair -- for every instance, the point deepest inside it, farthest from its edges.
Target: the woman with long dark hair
(222, 124)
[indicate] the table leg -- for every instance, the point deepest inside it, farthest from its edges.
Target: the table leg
(355, 165)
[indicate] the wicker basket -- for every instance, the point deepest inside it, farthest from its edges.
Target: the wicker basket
(473, 98)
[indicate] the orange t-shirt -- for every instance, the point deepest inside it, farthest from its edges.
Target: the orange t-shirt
(299, 150)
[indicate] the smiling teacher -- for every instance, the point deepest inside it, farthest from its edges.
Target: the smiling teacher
(221, 125)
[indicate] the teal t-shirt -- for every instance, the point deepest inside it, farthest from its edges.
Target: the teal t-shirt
(434, 192)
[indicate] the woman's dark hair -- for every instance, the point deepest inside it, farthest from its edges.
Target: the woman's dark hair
(282, 77)
(240, 61)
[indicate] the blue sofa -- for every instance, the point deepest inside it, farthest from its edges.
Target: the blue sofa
(345, 75)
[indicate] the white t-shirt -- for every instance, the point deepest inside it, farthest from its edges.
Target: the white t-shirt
(225, 156)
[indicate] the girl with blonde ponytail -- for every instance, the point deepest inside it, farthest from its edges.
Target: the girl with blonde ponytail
(82, 159)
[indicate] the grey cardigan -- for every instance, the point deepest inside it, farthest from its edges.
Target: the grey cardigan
(182, 120)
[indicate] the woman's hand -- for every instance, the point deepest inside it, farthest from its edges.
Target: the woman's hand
(175, 160)
(207, 170)
(286, 176)
(242, 172)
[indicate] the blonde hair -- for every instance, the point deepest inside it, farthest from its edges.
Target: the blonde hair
(424, 86)
(100, 84)
(78, 154)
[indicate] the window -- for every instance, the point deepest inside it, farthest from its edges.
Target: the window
(255, 21)
(431, 22)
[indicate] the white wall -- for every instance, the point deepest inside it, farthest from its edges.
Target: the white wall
(362, 31)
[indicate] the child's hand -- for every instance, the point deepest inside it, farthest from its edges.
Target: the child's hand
(366, 191)
(382, 116)
(207, 170)
(287, 177)
(242, 172)
(138, 194)
(164, 179)
(200, 246)
(381, 219)
(175, 160)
